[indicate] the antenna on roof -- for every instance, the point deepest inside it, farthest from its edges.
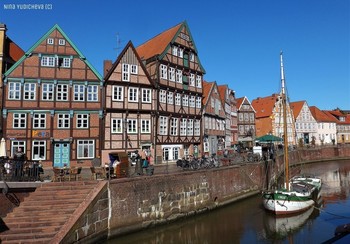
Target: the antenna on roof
(118, 43)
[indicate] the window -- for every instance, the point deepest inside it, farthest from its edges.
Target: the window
(163, 71)
(183, 127)
(62, 92)
(132, 126)
(166, 153)
(146, 95)
(29, 91)
(125, 72)
(133, 69)
(185, 100)
(190, 127)
(180, 52)
(178, 99)
(61, 42)
(198, 102)
(170, 98)
(173, 126)
(197, 127)
(50, 41)
(14, 90)
(92, 93)
(65, 63)
(117, 125)
(133, 94)
(48, 61)
(86, 149)
(39, 121)
(47, 92)
(63, 121)
(162, 96)
(19, 120)
(191, 83)
(38, 150)
(192, 101)
(199, 81)
(172, 74)
(79, 92)
(15, 145)
(82, 121)
(145, 126)
(175, 50)
(117, 93)
(163, 125)
(179, 76)
(176, 153)
(191, 56)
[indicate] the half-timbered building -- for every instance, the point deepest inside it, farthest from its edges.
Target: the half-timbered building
(214, 117)
(129, 105)
(52, 103)
(171, 59)
(246, 121)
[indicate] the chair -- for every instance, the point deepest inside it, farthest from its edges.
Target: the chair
(58, 174)
(97, 171)
(75, 173)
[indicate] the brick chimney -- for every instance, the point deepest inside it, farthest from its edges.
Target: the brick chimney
(107, 65)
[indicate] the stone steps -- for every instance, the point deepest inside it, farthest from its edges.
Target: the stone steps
(43, 213)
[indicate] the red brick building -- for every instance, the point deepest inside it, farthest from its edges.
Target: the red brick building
(52, 103)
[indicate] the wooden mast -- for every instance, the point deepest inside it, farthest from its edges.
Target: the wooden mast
(285, 132)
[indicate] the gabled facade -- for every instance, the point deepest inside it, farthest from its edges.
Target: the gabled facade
(130, 101)
(246, 121)
(305, 123)
(171, 59)
(214, 118)
(228, 100)
(10, 53)
(326, 127)
(52, 103)
(269, 117)
(343, 125)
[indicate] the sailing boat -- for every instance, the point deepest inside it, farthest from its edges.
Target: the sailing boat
(298, 194)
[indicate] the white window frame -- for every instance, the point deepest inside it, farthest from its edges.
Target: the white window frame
(116, 125)
(14, 89)
(61, 42)
(85, 146)
(66, 63)
(146, 95)
(125, 72)
(179, 76)
(63, 121)
(178, 99)
(183, 127)
(39, 121)
(192, 101)
(39, 146)
(48, 61)
(47, 91)
(190, 127)
(174, 50)
(192, 80)
(197, 127)
(92, 93)
(198, 81)
(19, 120)
(132, 126)
(62, 92)
(170, 98)
(173, 126)
(50, 41)
(198, 102)
(163, 71)
(162, 96)
(29, 91)
(163, 125)
(134, 69)
(145, 126)
(180, 52)
(185, 100)
(79, 93)
(117, 93)
(133, 94)
(15, 145)
(172, 74)
(82, 121)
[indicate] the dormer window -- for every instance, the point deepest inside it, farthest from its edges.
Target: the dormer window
(50, 41)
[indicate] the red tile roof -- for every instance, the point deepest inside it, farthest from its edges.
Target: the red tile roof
(320, 116)
(12, 50)
(206, 91)
(264, 106)
(296, 107)
(222, 89)
(157, 44)
(239, 102)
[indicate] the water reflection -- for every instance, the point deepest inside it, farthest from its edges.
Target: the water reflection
(247, 222)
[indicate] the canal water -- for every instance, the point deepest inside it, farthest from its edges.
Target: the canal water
(247, 222)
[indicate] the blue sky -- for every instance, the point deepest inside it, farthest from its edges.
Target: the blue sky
(238, 41)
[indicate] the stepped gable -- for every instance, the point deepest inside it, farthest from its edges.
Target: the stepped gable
(46, 212)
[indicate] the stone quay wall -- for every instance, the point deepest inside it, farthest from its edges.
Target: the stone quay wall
(141, 202)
